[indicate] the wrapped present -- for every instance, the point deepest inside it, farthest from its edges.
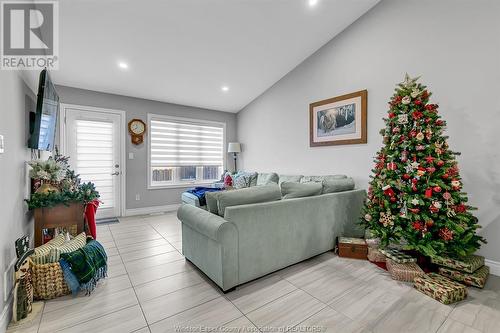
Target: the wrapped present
(406, 272)
(398, 256)
(374, 255)
(440, 288)
(468, 264)
(476, 279)
(352, 248)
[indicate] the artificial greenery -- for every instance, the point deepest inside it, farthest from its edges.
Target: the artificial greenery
(415, 196)
(70, 188)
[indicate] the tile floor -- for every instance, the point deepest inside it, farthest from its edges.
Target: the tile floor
(151, 288)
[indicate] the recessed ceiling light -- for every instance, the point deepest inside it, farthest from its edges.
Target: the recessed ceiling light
(123, 65)
(224, 88)
(313, 3)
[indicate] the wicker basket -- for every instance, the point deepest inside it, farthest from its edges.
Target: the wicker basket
(48, 281)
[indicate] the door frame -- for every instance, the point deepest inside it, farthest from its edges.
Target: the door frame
(122, 136)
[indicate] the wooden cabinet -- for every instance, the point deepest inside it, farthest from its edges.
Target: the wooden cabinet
(59, 216)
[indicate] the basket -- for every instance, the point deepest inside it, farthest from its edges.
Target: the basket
(48, 281)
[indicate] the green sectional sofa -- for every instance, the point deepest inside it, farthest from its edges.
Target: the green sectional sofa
(252, 240)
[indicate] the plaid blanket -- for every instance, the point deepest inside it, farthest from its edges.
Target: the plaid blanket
(84, 267)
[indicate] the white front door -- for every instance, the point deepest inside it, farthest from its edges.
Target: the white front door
(92, 142)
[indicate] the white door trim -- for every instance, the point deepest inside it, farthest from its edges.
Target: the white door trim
(122, 134)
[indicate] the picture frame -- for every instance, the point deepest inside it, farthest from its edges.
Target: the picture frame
(339, 120)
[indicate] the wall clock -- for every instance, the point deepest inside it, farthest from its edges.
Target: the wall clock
(137, 128)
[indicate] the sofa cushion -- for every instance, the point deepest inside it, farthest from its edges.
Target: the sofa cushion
(319, 179)
(267, 178)
(338, 185)
(245, 179)
(248, 195)
(289, 178)
(298, 190)
(211, 199)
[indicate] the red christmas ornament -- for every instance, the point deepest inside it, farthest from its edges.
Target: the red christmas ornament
(417, 225)
(433, 209)
(406, 176)
(431, 169)
(437, 189)
(417, 115)
(429, 223)
(388, 191)
(414, 210)
(428, 120)
(393, 199)
(429, 159)
(425, 95)
(392, 115)
(414, 184)
(461, 208)
(420, 147)
(396, 130)
(439, 163)
(413, 133)
(428, 193)
(446, 195)
(439, 122)
(446, 234)
(445, 176)
(392, 166)
(417, 102)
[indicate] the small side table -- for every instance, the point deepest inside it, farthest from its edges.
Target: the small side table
(59, 216)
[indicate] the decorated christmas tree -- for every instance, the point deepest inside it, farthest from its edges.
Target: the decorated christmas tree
(415, 195)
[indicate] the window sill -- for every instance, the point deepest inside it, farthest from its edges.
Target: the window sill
(190, 185)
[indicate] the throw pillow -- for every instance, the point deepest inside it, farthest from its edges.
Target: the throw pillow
(245, 179)
(267, 178)
(249, 195)
(76, 243)
(40, 256)
(338, 185)
(290, 178)
(291, 190)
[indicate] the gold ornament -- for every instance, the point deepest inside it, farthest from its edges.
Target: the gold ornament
(387, 219)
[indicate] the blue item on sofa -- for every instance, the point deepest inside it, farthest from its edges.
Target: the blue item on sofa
(200, 193)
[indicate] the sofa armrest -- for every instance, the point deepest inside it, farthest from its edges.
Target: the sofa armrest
(206, 223)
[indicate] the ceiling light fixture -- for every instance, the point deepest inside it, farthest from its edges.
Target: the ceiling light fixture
(224, 88)
(123, 65)
(313, 3)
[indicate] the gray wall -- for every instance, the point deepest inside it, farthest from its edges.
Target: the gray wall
(16, 100)
(139, 108)
(454, 45)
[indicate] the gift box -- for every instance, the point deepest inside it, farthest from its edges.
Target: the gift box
(398, 256)
(467, 264)
(352, 248)
(374, 255)
(476, 279)
(406, 272)
(440, 288)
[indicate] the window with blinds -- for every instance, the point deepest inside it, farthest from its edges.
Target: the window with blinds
(183, 151)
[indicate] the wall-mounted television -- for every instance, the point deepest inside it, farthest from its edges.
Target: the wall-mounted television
(43, 121)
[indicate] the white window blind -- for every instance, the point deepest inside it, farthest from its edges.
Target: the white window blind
(94, 157)
(185, 151)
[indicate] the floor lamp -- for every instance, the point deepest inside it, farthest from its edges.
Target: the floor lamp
(234, 148)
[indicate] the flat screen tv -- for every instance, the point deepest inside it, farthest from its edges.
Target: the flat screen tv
(43, 123)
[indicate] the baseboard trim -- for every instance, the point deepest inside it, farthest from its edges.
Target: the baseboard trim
(494, 266)
(151, 210)
(6, 314)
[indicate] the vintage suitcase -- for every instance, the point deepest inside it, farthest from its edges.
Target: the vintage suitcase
(374, 255)
(476, 279)
(440, 288)
(398, 256)
(406, 272)
(355, 248)
(468, 264)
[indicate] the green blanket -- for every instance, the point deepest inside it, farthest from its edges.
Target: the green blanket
(84, 267)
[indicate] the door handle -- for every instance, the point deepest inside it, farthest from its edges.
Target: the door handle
(116, 173)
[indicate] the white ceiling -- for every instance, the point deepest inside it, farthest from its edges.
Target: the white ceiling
(184, 51)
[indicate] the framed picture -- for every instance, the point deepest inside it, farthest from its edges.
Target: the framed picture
(338, 121)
